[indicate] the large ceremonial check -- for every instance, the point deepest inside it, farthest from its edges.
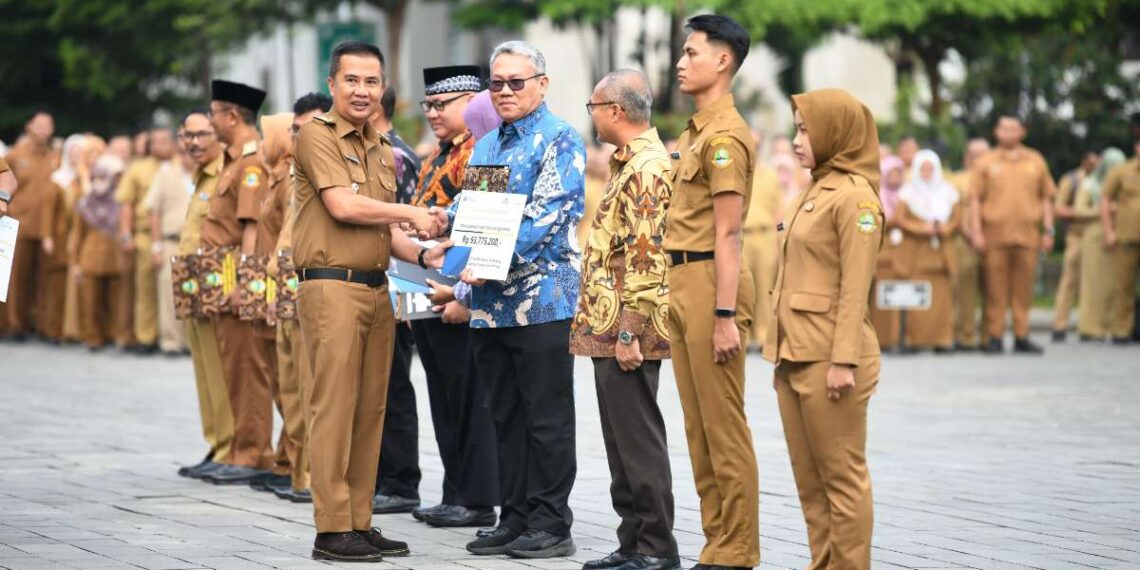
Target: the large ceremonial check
(488, 224)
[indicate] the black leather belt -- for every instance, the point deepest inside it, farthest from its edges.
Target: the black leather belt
(683, 257)
(373, 279)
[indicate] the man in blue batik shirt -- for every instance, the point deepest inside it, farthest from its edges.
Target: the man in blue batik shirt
(521, 326)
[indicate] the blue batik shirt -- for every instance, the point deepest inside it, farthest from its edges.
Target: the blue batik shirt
(547, 161)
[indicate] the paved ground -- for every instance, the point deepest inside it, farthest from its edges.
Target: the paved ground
(978, 462)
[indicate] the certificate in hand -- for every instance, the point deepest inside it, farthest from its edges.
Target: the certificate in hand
(488, 223)
(9, 227)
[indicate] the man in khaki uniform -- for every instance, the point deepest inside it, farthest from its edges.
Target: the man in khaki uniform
(247, 348)
(32, 162)
(134, 230)
(1011, 201)
(165, 204)
(1120, 213)
(712, 292)
(1063, 206)
(345, 183)
(213, 400)
(967, 282)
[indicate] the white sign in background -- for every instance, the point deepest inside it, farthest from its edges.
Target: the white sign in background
(904, 295)
(9, 227)
(488, 223)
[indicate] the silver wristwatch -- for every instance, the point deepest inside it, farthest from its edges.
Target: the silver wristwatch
(626, 337)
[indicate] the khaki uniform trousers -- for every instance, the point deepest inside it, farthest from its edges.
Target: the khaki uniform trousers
(210, 381)
(1010, 271)
(171, 333)
(348, 330)
(249, 361)
(29, 263)
(967, 284)
(72, 329)
(125, 302)
(1127, 259)
(1098, 290)
(760, 257)
(293, 375)
(934, 327)
(1070, 282)
(146, 293)
(712, 398)
(827, 443)
(100, 310)
(53, 300)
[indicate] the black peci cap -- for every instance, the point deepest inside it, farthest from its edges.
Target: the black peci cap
(451, 79)
(239, 94)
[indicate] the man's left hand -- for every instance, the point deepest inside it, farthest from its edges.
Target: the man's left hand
(1046, 243)
(433, 258)
(629, 355)
(726, 340)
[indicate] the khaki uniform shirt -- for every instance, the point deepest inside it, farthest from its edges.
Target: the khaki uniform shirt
(1012, 186)
(766, 198)
(716, 156)
(827, 260)
(272, 215)
(1122, 186)
(242, 185)
(58, 219)
(169, 196)
(205, 183)
(623, 264)
(133, 188)
(330, 153)
(32, 166)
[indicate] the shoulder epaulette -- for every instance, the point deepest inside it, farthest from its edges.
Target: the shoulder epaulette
(326, 119)
(249, 148)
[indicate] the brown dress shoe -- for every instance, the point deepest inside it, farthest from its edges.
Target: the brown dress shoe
(345, 547)
(386, 546)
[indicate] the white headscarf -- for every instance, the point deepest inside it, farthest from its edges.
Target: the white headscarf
(65, 174)
(933, 200)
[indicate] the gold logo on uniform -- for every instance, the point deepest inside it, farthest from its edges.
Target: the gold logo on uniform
(721, 159)
(866, 222)
(252, 176)
(873, 206)
(719, 141)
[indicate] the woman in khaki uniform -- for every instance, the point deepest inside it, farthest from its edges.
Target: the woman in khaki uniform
(892, 170)
(928, 216)
(97, 260)
(58, 217)
(820, 334)
(1098, 288)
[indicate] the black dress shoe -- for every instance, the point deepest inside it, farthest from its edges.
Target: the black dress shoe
(1059, 336)
(270, 482)
(1090, 338)
(386, 546)
(345, 547)
(457, 516)
(943, 350)
(1024, 346)
(1121, 340)
(643, 562)
(388, 504)
(302, 496)
(205, 470)
(994, 346)
(419, 513)
(536, 543)
(186, 470)
(233, 475)
(493, 543)
(966, 347)
(615, 559)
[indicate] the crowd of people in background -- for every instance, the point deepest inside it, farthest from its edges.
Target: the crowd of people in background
(103, 221)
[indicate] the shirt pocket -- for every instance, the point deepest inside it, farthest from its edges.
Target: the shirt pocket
(686, 180)
(809, 302)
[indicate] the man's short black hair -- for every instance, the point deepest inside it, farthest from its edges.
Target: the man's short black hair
(312, 102)
(725, 30)
(353, 47)
(195, 111)
(1010, 114)
(37, 111)
(388, 102)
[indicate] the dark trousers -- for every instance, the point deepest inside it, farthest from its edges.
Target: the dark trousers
(459, 412)
(399, 470)
(529, 374)
(641, 483)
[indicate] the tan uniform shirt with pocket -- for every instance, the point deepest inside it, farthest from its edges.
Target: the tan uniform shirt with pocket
(1012, 186)
(1122, 186)
(241, 186)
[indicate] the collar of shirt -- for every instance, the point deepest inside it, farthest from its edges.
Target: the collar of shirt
(458, 140)
(706, 115)
(344, 128)
(1011, 155)
(627, 152)
(210, 169)
(236, 150)
(524, 125)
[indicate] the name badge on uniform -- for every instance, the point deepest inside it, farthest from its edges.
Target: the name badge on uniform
(675, 155)
(352, 159)
(355, 188)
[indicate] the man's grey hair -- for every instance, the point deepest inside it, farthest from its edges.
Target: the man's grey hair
(629, 88)
(525, 49)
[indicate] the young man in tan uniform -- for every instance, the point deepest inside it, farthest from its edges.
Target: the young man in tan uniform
(32, 162)
(345, 183)
(248, 348)
(711, 291)
(1063, 206)
(1120, 213)
(165, 204)
(968, 280)
(209, 378)
(1012, 202)
(134, 230)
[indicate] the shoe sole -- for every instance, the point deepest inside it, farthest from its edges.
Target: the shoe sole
(560, 550)
(319, 554)
(391, 511)
(480, 523)
(401, 552)
(299, 500)
(488, 550)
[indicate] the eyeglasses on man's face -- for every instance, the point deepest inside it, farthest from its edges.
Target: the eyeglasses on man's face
(591, 106)
(496, 85)
(440, 104)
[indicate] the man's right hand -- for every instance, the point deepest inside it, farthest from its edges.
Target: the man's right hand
(430, 223)
(49, 245)
(440, 294)
(1110, 238)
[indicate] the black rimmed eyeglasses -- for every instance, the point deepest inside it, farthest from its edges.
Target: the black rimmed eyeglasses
(441, 104)
(591, 106)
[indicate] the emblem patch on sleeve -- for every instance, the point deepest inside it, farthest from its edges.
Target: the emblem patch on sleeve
(721, 159)
(866, 222)
(252, 176)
